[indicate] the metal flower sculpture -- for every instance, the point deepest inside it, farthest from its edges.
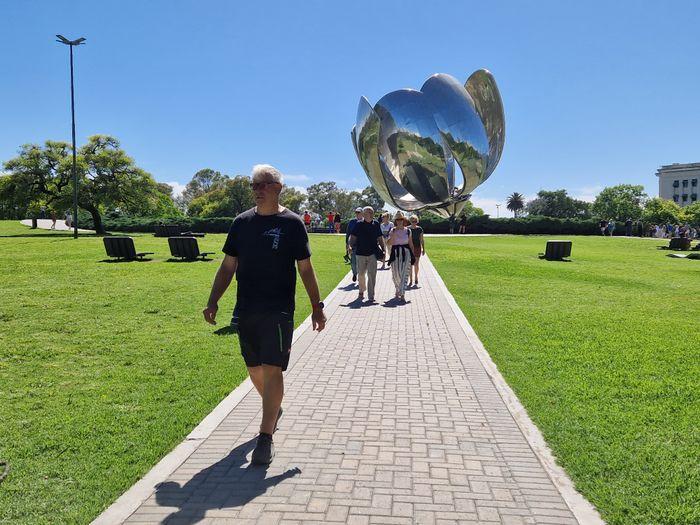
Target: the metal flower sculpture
(409, 142)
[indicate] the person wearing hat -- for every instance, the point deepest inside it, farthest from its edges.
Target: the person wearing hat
(402, 256)
(348, 251)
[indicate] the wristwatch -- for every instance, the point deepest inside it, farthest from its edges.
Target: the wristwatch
(319, 305)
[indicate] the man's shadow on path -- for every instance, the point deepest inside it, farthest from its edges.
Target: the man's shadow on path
(240, 485)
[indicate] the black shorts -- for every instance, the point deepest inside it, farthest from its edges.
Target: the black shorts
(266, 339)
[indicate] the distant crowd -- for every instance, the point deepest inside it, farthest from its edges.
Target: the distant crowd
(660, 231)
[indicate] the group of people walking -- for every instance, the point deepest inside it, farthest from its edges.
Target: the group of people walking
(667, 231)
(367, 244)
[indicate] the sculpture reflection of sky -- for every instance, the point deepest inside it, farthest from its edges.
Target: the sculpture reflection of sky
(409, 142)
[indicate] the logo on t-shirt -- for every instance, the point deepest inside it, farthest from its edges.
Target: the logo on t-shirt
(275, 233)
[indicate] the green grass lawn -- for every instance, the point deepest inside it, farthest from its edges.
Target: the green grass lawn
(604, 352)
(105, 367)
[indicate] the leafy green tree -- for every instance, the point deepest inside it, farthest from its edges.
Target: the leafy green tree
(661, 211)
(515, 203)
(108, 178)
(621, 202)
(13, 204)
(202, 182)
(293, 199)
(558, 204)
(470, 210)
(370, 197)
(234, 196)
(346, 202)
(322, 197)
(691, 214)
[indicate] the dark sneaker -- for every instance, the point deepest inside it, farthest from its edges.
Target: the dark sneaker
(264, 450)
(354, 277)
(279, 416)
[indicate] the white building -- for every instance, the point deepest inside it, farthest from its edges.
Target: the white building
(679, 183)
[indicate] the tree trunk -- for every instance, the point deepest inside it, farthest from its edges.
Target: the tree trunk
(96, 219)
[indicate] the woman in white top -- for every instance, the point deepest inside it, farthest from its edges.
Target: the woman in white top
(401, 254)
(386, 227)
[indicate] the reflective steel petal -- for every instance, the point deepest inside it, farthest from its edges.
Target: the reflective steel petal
(411, 144)
(487, 100)
(460, 126)
(353, 137)
(366, 135)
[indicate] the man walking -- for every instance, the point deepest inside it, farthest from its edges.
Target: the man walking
(365, 242)
(348, 231)
(262, 245)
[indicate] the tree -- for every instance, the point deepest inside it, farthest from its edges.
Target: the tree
(558, 204)
(370, 197)
(234, 196)
(621, 202)
(203, 181)
(346, 202)
(107, 177)
(13, 204)
(470, 210)
(322, 196)
(691, 214)
(293, 199)
(515, 203)
(661, 211)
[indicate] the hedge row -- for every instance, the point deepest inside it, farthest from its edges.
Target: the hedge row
(148, 224)
(431, 224)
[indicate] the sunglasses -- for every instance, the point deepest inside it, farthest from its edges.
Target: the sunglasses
(261, 185)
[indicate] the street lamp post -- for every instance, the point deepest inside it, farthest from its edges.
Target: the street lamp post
(71, 43)
(498, 209)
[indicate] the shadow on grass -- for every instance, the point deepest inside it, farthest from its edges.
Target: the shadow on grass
(236, 485)
(226, 330)
(206, 259)
(112, 261)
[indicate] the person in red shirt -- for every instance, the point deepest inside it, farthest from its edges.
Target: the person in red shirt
(307, 220)
(330, 217)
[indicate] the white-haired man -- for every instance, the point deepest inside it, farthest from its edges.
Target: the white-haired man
(262, 246)
(365, 242)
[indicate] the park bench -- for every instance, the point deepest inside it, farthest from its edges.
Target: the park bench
(167, 230)
(123, 248)
(186, 248)
(556, 250)
(679, 243)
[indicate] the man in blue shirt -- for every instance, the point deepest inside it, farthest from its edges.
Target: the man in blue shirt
(348, 232)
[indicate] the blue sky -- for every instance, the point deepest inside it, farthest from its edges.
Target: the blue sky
(595, 94)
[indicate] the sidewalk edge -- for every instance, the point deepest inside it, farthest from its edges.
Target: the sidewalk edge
(126, 504)
(582, 509)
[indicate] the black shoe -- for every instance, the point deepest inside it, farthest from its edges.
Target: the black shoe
(264, 450)
(279, 416)
(354, 277)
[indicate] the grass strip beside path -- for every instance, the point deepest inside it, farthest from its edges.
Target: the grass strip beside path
(105, 367)
(603, 352)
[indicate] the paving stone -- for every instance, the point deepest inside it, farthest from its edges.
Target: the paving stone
(390, 418)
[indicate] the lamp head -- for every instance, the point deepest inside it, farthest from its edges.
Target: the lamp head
(63, 40)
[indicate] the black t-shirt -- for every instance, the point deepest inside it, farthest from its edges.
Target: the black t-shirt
(366, 233)
(266, 247)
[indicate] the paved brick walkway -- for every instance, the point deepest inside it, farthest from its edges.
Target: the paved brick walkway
(390, 417)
